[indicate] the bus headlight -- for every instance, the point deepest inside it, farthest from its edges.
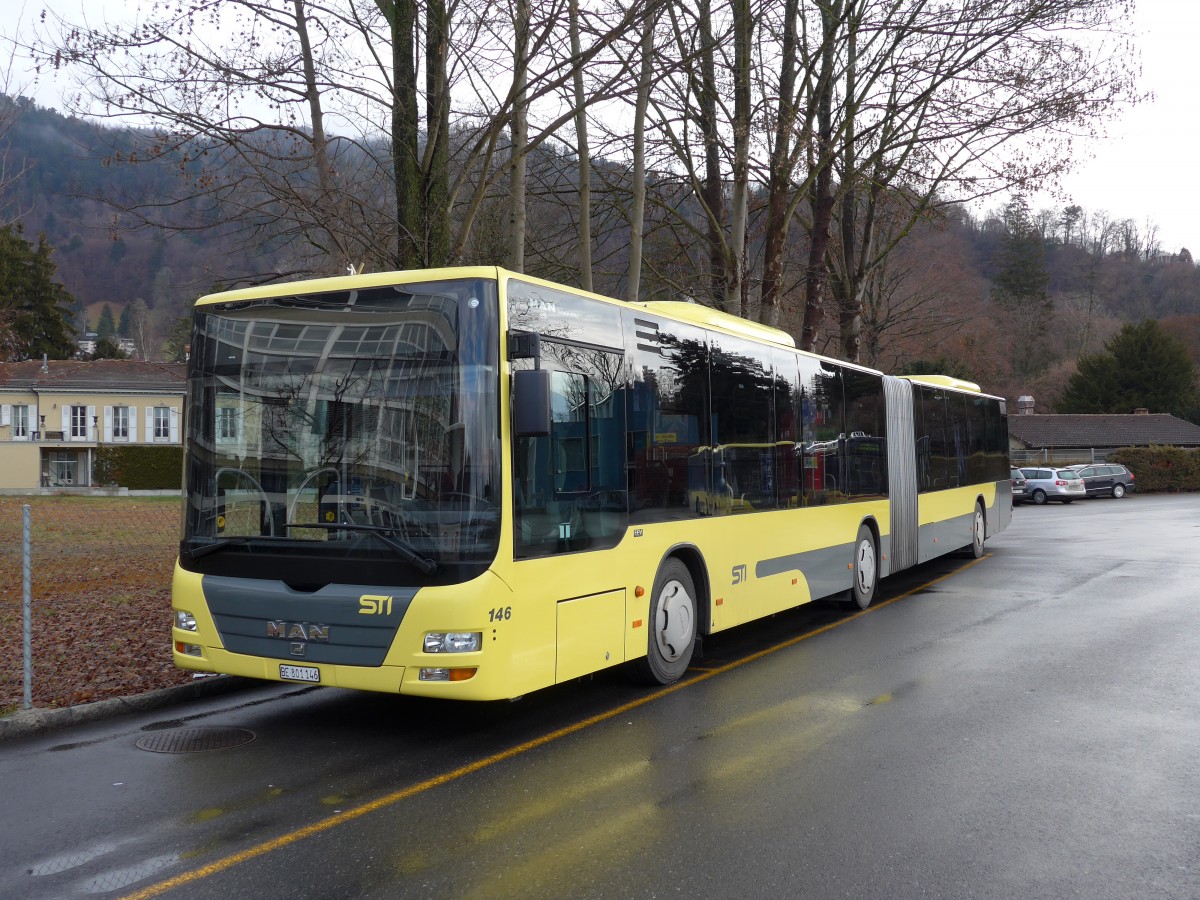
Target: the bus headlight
(185, 620)
(453, 641)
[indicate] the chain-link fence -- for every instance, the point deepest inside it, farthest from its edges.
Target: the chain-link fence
(101, 597)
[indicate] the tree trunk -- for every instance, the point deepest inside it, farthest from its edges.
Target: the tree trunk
(326, 191)
(436, 211)
(638, 208)
(401, 17)
(714, 190)
(779, 176)
(520, 138)
(821, 191)
(737, 286)
(849, 293)
(585, 162)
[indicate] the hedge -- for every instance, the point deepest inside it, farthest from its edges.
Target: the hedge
(1161, 469)
(140, 468)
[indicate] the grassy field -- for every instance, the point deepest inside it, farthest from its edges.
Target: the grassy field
(101, 576)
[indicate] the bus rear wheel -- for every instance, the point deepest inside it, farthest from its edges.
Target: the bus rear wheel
(866, 570)
(672, 625)
(978, 532)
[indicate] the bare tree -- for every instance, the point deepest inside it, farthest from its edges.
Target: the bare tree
(240, 94)
(949, 110)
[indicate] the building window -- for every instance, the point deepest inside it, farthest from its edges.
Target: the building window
(120, 423)
(227, 424)
(79, 422)
(162, 423)
(20, 421)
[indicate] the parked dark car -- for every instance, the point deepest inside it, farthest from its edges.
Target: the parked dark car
(1106, 480)
(1019, 484)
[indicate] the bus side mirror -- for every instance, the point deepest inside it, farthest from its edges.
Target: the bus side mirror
(531, 403)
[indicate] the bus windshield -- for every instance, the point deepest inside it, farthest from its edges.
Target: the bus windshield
(345, 437)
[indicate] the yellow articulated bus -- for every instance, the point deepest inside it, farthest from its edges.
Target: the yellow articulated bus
(469, 483)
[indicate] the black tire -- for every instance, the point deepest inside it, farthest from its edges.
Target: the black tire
(978, 532)
(1039, 496)
(1118, 491)
(865, 570)
(1065, 502)
(672, 621)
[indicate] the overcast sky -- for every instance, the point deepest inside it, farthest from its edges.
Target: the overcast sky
(1143, 170)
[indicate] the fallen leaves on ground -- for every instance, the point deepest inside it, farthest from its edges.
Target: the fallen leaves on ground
(101, 598)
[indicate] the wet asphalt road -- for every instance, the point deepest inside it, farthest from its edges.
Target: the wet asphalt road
(1024, 726)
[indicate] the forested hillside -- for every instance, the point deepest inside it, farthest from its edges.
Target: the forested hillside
(78, 183)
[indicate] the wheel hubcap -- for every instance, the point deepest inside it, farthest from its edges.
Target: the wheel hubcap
(675, 621)
(978, 529)
(865, 566)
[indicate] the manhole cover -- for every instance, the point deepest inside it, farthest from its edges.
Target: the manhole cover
(192, 740)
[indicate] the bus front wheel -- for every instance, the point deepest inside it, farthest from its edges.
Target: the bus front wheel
(672, 625)
(866, 570)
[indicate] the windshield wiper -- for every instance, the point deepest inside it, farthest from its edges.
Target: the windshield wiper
(223, 543)
(385, 534)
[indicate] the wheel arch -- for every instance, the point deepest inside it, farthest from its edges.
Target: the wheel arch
(872, 523)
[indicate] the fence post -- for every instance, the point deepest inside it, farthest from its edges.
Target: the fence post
(26, 605)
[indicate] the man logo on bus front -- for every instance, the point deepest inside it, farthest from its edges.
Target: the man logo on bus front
(297, 631)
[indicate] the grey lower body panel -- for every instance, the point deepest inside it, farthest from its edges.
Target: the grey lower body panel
(824, 570)
(940, 538)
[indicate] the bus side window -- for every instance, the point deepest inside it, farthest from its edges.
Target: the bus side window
(865, 447)
(743, 421)
(668, 446)
(823, 428)
(568, 485)
(934, 459)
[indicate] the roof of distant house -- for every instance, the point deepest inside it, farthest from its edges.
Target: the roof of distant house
(62, 375)
(1104, 430)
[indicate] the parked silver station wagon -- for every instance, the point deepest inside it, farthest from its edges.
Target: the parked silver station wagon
(1045, 484)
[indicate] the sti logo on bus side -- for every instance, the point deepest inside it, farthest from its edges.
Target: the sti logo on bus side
(297, 631)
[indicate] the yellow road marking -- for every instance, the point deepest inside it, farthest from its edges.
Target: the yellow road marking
(395, 797)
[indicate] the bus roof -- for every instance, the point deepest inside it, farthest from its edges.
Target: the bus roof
(946, 381)
(348, 283)
(678, 309)
(681, 310)
(708, 317)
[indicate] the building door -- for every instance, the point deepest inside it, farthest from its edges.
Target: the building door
(63, 468)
